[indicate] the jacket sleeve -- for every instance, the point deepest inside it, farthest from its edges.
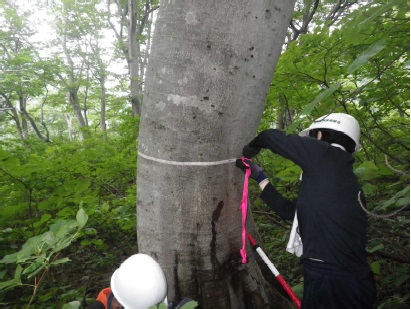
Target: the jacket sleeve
(280, 205)
(303, 151)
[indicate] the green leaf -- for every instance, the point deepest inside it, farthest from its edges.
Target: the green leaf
(105, 207)
(63, 227)
(2, 273)
(379, 12)
(97, 242)
(366, 55)
(291, 128)
(72, 305)
(399, 275)
(375, 248)
(16, 281)
(9, 258)
(308, 108)
(122, 209)
(60, 261)
(31, 248)
(369, 189)
(376, 266)
(4, 155)
(160, 306)
(9, 212)
(35, 268)
(402, 201)
(82, 218)
(289, 174)
(399, 199)
(86, 242)
(321, 96)
(44, 218)
(367, 171)
(63, 243)
(190, 305)
(49, 238)
(32, 268)
(299, 289)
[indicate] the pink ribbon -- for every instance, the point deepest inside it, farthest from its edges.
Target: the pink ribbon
(244, 208)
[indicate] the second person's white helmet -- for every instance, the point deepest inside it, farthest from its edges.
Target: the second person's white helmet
(139, 282)
(341, 122)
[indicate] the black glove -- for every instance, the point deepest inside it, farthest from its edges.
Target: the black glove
(250, 152)
(256, 171)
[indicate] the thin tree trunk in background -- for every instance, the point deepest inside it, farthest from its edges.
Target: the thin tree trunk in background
(208, 74)
(102, 77)
(144, 58)
(14, 115)
(24, 123)
(72, 88)
(103, 105)
(75, 105)
(69, 122)
(133, 55)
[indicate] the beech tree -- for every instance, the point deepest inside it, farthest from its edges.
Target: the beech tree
(346, 56)
(207, 78)
(132, 31)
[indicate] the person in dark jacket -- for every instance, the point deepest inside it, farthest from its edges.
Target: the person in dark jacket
(331, 223)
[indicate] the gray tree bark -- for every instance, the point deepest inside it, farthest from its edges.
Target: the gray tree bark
(207, 78)
(71, 83)
(134, 57)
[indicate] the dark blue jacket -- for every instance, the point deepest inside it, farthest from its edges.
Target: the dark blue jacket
(332, 224)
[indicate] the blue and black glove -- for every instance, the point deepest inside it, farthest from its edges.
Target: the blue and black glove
(256, 171)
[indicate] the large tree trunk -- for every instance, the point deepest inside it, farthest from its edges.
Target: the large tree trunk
(208, 74)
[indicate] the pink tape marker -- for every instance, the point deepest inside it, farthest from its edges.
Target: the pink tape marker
(244, 208)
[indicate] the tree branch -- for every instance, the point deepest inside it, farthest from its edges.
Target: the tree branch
(390, 256)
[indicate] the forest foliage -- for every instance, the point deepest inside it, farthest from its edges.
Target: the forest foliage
(69, 131)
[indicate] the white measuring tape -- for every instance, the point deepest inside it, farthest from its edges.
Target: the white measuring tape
(186, 163)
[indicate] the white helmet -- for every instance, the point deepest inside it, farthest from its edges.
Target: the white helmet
(139, 282)
(344, 123)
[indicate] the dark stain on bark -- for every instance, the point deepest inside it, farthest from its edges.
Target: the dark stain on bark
(158, 126)
(176, 281)
(217, 211)
(213, 246)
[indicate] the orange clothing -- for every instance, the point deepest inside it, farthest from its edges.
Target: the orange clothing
(103, 295)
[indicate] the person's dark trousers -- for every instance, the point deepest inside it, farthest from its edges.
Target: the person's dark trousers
(327, 286)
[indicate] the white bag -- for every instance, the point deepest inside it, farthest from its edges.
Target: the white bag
(295, 244)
